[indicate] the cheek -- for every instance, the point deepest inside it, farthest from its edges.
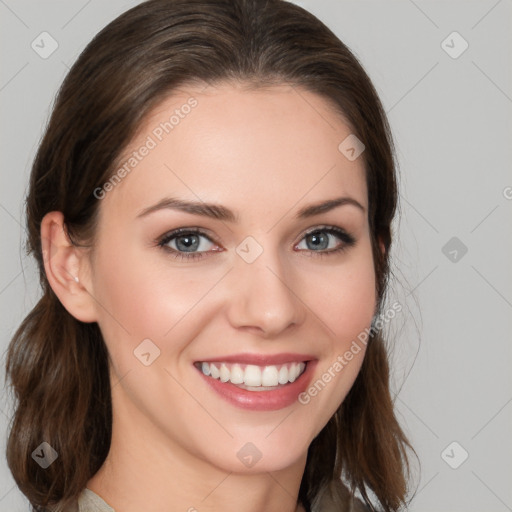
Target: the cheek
(352, 306)
(344, 297)
(140, 299)
(345, 301)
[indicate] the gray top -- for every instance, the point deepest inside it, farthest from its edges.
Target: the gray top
(89, 501)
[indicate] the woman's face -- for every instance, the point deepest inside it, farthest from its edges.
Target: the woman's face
(264, 282)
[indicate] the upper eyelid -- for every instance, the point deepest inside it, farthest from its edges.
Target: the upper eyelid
(184, 231)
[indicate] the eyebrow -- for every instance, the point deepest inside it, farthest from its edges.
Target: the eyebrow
(219, 212)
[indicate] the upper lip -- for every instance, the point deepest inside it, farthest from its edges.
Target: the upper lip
(260, 359)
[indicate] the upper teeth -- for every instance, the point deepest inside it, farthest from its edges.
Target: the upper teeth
(252, 375)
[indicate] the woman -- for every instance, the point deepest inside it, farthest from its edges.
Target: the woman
(210, 210)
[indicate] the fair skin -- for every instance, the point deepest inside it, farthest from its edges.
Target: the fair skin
(265, 154)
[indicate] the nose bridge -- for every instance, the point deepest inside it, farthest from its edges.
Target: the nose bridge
(262, 294)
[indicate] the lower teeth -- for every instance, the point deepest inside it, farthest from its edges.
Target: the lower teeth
(257, 388)
(254, 388)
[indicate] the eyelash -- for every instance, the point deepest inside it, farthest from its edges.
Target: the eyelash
(347, 239)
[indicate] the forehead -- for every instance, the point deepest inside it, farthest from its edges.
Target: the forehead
(238, 146)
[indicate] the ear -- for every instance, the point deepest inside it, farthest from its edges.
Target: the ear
(67, 268)
(382, 246)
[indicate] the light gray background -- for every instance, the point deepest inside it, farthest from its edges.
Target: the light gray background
(452, 124)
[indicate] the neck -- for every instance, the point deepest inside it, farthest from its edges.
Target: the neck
(144, 470)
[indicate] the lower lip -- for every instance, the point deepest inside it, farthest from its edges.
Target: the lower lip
(271, 400)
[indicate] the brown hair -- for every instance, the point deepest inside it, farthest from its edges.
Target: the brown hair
(57, 365)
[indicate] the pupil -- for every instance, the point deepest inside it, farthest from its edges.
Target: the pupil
(190, 242)
(319, 240)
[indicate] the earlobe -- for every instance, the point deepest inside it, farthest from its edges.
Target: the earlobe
(382, 247)
(65, 267)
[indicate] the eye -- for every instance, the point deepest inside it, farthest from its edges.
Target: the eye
(323, 240)
(187, 243)
(192, 243)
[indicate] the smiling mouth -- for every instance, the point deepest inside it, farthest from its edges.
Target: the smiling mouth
(253, 377)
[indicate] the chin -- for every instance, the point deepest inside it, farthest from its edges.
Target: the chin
(258, 454)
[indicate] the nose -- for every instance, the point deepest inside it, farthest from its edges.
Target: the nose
(262, 297)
